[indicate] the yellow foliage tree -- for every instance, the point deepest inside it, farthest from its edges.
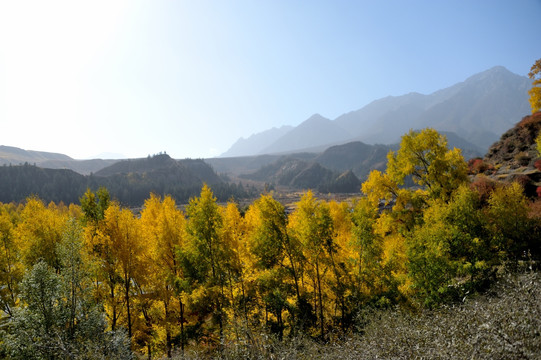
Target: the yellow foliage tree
(207, 255)
(163, 228)
(273, 259)
(11, 267)
(311, 224)
(127, 249)
(424, 156)
(535, 91)
(39, 232)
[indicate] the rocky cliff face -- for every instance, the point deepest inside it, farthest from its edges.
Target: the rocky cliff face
(514, 157)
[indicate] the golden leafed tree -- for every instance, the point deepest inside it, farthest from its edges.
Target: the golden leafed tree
(535, 91)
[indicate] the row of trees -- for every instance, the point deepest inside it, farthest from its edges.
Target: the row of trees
(130, 188)
(170, 279)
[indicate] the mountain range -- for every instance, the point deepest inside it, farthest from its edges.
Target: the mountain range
(477, 110)
(320, 154)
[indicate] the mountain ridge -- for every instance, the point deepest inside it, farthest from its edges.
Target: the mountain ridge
(479, 109)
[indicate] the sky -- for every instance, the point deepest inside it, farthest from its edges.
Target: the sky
(136, 78)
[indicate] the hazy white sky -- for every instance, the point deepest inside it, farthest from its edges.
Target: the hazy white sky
(191, 77)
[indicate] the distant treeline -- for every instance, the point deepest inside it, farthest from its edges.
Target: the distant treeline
(130, 189)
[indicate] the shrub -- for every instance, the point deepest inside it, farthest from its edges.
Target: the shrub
(537, 164)
(478, 165)
(484, 187)
(522, 158)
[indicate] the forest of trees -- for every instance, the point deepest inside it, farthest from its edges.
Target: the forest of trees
(96, 280)
(129, 189)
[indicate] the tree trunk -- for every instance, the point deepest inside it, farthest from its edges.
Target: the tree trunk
(167, 327)
(320, 301)
(127, 298)
(181, 325)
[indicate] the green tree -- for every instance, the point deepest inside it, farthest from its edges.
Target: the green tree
(368, 248)
(429, 264)
(470, 240)
(508, 221)
(59, 319)
(207, 256)
(95, 204)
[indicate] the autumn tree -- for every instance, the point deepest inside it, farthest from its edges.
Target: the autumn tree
(127, 249)
(311, 224)
(508, 221)
(367, 246)
(274, 259)
(58, 318)
(424, 156)
(535, 91)
(39, 231)
(163, 227)
(428, 249)
(469, 245)
(11, 267)
(95, 204)
(342, 257)
(232, 235)
(205, 258)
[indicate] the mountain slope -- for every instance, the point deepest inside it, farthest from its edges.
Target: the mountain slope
(315, 131)
(478, 110)
(486, 107)
(517, 147)
(356, 156)
(15, 156)
(187, 172)
(130, 182)
(257, 142)
(300, 174)
(515, 157)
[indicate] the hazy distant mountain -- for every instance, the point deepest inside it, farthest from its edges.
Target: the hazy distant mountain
(356, 156)
(13, 155)
(187, 172)
(109, 156)
(257, 142)
(83, 167)
(301, 174)
(478, 110)
(315, 131)
(487, 105)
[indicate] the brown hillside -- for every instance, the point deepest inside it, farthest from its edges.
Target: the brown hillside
(514, 156)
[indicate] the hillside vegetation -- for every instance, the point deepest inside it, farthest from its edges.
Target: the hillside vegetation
(397, 273)
(128, 181)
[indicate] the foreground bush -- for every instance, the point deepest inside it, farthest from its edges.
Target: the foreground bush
(503, 324)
